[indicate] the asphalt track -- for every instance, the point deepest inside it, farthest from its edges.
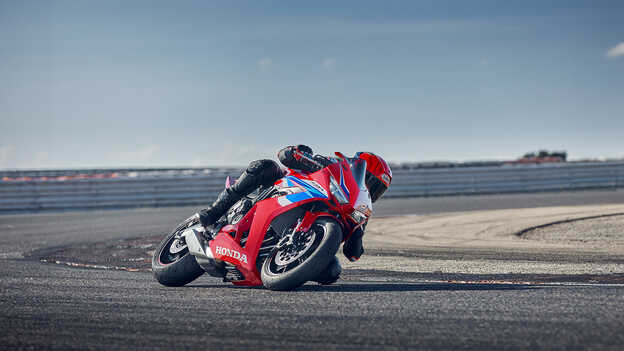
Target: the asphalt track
(49, 306)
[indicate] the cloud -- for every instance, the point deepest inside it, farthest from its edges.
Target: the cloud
(616, 51)
(329, 63)
(265, 64)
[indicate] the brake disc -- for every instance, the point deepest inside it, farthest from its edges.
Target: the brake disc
(295, 248)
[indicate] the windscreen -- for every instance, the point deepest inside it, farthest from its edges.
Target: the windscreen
(358, 168)
(363, 202)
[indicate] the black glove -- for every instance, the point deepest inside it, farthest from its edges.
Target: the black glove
(299, 157)
(305, 149)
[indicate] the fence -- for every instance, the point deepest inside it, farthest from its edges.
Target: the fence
(160, 188)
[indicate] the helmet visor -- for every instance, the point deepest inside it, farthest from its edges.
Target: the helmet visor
(376, 187)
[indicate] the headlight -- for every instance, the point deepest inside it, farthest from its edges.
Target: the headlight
(335, 190)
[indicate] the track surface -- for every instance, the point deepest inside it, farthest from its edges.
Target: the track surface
(58, 307)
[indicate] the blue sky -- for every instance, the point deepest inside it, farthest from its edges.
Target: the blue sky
(200, 83)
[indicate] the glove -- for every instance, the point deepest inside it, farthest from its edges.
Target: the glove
(299, 157)
(305, 149)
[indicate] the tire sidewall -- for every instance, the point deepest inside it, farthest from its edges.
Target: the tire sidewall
(312, 266)
(178, 273)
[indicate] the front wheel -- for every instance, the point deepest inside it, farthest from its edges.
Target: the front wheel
(302, 256)
(172, 264)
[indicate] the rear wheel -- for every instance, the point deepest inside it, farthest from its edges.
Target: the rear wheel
(172, 265)
(302, 256)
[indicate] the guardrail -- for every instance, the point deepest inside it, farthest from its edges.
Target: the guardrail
(507, 179)
(201, 188)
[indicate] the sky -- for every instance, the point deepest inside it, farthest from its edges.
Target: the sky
(87, 84)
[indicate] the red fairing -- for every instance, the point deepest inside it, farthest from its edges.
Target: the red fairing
(227, 244)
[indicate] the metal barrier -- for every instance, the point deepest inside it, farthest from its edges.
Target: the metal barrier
(200, 188)
(37, 195)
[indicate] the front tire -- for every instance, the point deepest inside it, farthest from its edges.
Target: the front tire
(175, 267)
(287, 270)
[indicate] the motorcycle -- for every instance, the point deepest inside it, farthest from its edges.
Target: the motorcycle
(280, 236)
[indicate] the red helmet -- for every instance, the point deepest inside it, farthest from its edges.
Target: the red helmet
(378, 174)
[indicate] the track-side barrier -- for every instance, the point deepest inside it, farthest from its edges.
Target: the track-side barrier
(66, 190)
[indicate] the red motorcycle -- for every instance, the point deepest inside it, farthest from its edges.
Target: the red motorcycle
(279, 236)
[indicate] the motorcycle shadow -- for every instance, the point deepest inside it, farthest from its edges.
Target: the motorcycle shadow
(411, 287)
(359, 287)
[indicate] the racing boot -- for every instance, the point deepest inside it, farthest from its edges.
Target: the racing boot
(353, 248)
(330, 274)
(224, 201)
(260, 172)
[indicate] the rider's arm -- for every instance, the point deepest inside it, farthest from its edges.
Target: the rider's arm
(301, 157)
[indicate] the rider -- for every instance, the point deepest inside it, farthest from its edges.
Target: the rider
(301, 157)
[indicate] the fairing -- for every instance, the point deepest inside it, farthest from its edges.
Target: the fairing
(293, 190)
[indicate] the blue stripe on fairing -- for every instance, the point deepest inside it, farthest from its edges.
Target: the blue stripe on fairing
(310, 189)
(298, 197)
(342, 184)
(310, 192)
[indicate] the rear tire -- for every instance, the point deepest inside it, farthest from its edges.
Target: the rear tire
(176, 269)
(323, 251)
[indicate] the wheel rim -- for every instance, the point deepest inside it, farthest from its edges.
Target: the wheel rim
(294, 249)
(173, 250)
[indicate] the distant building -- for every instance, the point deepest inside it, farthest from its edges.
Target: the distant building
(542, 156)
